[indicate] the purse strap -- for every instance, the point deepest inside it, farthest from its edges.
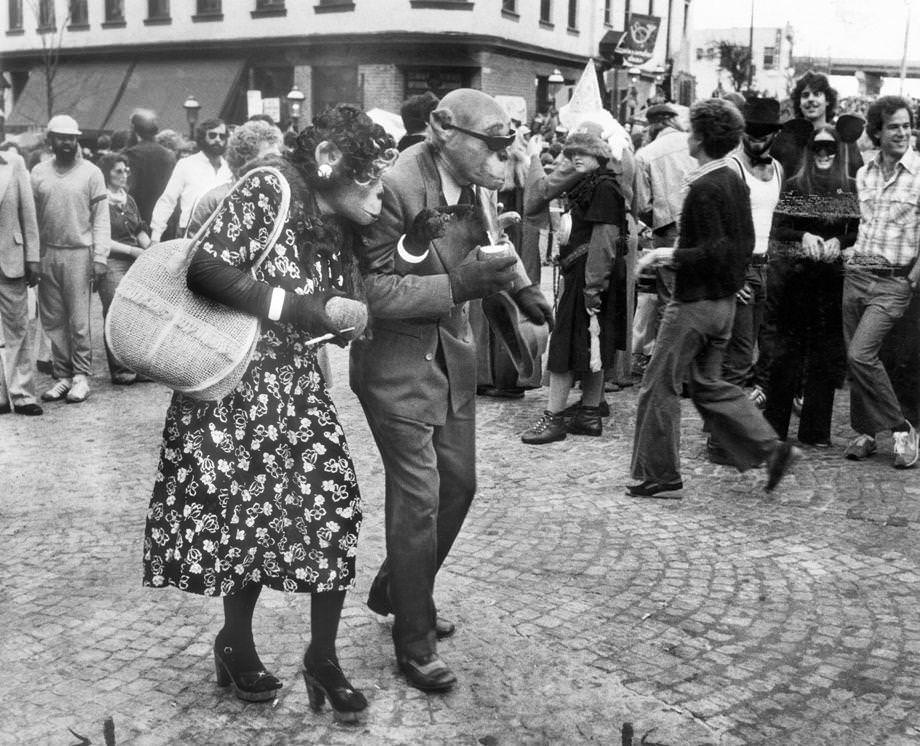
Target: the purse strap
(280, 218)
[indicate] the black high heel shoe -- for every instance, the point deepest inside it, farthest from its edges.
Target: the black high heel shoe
(251, 686)
(325, 680)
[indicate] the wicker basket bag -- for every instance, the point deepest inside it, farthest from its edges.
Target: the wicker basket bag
(162, 330)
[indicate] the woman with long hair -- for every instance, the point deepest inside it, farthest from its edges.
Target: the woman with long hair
(816, 219)
(258, 489)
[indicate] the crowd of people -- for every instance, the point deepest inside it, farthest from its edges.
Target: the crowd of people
(772, 264)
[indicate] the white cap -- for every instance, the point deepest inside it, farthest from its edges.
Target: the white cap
(62, 124)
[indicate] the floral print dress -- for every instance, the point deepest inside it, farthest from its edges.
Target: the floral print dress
(259, 488)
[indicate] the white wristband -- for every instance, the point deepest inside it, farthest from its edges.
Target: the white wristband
(276, 305)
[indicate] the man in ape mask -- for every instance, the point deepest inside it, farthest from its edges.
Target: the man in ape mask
(415, 373)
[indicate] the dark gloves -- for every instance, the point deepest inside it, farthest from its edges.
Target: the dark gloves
(33, 273)
(431, 223)
(309, 312)
(479, 278)
(534, 306)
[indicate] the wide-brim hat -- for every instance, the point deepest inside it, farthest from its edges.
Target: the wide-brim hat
(761, 116)
(524, 341)
(588, 138)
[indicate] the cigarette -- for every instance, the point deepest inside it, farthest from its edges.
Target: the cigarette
(327, 337)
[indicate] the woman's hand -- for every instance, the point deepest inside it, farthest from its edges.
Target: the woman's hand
(831, 250)
(813, 246)
(653, 257)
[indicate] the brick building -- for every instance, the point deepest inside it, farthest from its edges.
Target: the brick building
(238, 56)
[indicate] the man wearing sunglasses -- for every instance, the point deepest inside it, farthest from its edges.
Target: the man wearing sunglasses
(415, 374)
(192, 177)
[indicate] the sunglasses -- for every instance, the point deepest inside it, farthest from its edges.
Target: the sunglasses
(493, 142)
(215, 135)
(823, 147)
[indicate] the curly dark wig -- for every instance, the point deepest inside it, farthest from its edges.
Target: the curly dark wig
(365, 146)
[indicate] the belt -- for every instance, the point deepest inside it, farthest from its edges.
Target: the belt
(883, 271)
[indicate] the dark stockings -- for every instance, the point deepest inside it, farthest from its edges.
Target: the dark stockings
(237, 629)
(325, 613)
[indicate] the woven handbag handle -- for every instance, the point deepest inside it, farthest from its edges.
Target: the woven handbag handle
(183, 260)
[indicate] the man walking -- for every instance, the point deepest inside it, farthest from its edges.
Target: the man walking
(19, 270)
(192, 177)
(73, 220)
(881, 273)
(415, 374)
(151, 163)
(716, 239)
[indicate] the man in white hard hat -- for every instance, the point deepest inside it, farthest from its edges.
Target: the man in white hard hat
(73, 221)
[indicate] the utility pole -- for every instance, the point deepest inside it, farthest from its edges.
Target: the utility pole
(750, 76)
(904, 55)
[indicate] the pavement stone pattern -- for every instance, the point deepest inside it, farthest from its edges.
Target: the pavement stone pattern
(729, 617)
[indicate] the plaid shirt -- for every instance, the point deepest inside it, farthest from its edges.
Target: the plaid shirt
(889, 227)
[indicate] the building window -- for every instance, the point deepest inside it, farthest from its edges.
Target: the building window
(334, 6)
(114, 12)
(78, 14)
(769, 57)
(15, 15)
(607, 12)
(157, 10)
(208, 10)
(546, 11)
(46, 15)
(573, 14)
(442, 4)
(267, 8)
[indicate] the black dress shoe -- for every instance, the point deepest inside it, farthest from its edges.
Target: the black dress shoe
(29, 410)
(778, 463)
(495, 392)
(650, 488)
(430, 673)
(5, 409)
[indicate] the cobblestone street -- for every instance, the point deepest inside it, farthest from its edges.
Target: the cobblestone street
(729, 617)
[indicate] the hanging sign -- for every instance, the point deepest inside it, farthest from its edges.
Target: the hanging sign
(637, 44)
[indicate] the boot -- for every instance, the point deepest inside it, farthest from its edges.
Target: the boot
(587, 421)
(550, 427)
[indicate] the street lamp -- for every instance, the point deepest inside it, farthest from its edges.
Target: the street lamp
(295, 99)
(555, 81)
(192, 107)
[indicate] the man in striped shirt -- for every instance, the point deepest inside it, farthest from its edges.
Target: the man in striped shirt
(881, 275)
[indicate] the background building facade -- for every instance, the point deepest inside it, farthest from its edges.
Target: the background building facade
(106, 57)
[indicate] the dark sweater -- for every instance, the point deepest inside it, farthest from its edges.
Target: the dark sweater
(716, 237)
(827, 212)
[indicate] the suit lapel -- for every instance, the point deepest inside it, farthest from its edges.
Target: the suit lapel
(6, 177)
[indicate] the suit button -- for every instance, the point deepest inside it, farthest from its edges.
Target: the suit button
(429, 356)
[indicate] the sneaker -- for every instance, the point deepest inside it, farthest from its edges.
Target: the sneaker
(58, 391)
(860, 447)
(906, 449)
(549, 428)
(79, 391)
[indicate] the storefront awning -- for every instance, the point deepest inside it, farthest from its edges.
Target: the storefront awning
(164, 85)
(86, 91)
